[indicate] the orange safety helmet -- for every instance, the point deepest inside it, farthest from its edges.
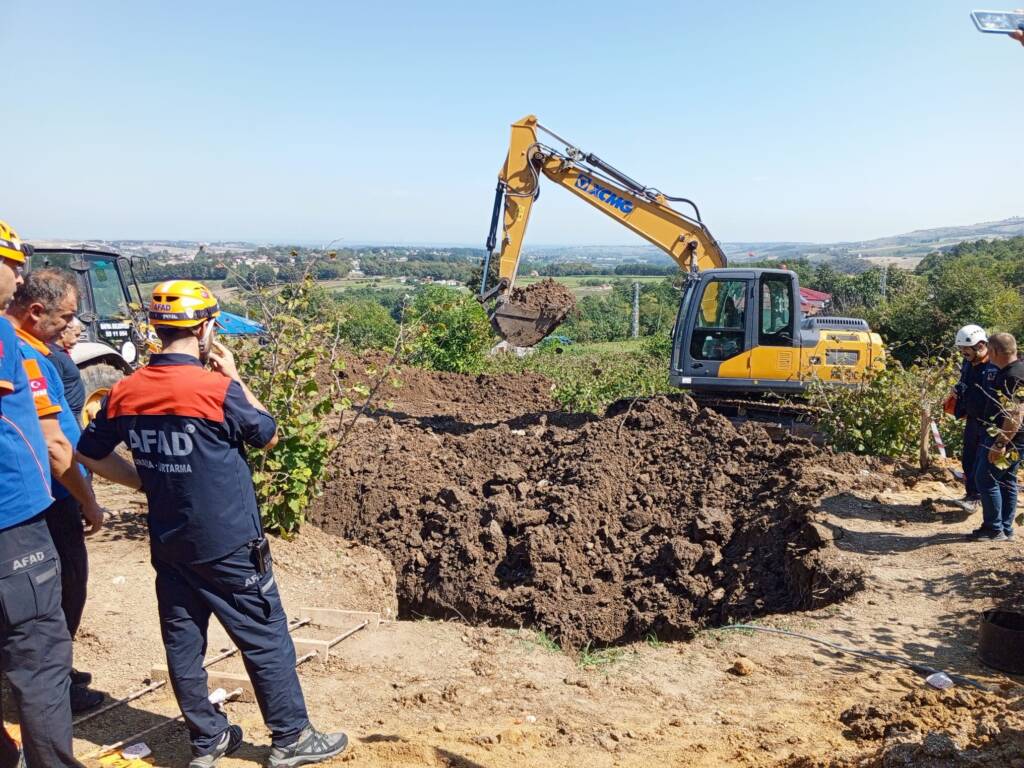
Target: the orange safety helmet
(182, 304)
(11, 246)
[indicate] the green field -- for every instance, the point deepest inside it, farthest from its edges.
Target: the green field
(213, 285)
(345, 283)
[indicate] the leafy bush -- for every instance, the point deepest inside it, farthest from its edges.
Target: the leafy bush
(450, 330)
(293, 371)
(882, 417)
(367, 325)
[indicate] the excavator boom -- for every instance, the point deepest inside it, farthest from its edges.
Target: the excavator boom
(645, 211)
(737, 330)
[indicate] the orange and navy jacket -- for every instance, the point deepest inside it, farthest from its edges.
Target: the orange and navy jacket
(187, 428)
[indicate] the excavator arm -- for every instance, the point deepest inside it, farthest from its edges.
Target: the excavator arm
(644, 210)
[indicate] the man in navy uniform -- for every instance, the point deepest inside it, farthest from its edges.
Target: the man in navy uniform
(187, 427)
(973, 393)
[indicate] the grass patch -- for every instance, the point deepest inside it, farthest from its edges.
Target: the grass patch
(598, 658)
(653, 641)
(538, 639)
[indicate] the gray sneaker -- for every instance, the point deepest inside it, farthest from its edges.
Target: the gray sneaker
(311, 747)
(229, 742)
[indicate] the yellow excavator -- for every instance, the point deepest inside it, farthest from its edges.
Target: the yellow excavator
(737, 329)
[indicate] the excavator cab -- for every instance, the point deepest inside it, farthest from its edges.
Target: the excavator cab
(742, 330)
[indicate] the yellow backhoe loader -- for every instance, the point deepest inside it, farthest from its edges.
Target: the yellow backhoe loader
(737, 330)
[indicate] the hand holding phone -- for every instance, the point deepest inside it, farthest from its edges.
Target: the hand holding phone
(222, 361)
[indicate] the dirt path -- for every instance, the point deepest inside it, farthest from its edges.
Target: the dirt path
(429, 693)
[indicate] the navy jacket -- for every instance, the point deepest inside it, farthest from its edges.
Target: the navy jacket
(186, 428)
(975, 392)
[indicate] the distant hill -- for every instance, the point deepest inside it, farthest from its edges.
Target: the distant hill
(905, 250)
(911, 246)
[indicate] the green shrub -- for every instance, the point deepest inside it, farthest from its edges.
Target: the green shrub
(449, 330)
(293, 371)
(367, 325)
(882, 417)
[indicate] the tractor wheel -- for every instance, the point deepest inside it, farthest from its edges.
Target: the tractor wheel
(98, 379)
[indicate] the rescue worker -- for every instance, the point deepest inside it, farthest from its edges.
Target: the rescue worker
(40, 310)
(972, 395)
(35, 647)
(70, 376)
(1002, 444)
(187, 427)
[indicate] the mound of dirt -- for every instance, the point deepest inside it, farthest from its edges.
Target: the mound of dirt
(450, 396)
(662, 519)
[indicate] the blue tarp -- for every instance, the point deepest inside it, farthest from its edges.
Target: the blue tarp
(235, 325)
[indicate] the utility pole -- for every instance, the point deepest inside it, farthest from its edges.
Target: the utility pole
(885, 281)
(636, 309)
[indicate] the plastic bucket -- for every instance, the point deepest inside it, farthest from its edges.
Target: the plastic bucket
(1001, 640)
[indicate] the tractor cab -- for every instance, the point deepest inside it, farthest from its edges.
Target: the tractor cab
(110, 305)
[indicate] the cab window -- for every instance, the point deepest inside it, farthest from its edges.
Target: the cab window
(776, 326)
(106, 290)
(719, 331)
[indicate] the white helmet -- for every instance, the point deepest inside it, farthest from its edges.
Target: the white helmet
(970, 335)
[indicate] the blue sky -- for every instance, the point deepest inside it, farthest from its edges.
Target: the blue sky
(387, 122)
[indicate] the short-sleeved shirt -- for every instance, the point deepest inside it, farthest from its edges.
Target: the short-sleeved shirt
(71, 377)
(187, 429)
(48, 394)
(24, 460)
(1009, 386)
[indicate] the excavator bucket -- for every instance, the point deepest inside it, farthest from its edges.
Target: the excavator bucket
(523, 326)
(529, 314)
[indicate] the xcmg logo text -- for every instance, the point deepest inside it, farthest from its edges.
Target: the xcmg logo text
(605, 195)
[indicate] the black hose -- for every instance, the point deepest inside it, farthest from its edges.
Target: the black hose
(492, 235)
(689, 202)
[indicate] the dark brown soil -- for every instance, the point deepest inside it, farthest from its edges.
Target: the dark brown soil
(661, 519)
(546, 296)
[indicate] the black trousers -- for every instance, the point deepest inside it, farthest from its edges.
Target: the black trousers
(35, 648)
(64, 519)
(973, 432)
(249, 607)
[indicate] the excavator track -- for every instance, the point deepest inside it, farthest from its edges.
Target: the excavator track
(777, 416)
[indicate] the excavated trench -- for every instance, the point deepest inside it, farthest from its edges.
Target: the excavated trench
(661, 518)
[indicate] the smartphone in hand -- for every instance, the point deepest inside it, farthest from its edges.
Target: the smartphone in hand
(998, 22)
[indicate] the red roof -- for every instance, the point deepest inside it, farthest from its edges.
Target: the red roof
(809, 294)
